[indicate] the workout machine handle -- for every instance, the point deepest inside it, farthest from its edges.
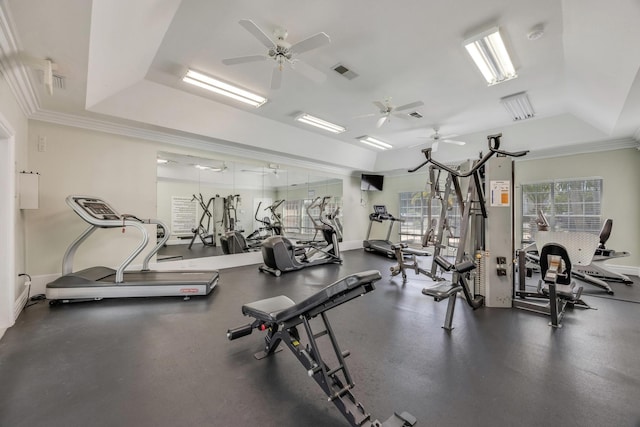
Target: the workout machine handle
(494, 148)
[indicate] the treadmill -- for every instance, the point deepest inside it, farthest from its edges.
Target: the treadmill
(96, 283)
(380, 215)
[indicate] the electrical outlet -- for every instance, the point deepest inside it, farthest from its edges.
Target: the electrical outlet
(42, 144)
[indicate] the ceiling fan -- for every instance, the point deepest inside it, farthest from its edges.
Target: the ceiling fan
(437, 139)
(282, 52)
(386, 109)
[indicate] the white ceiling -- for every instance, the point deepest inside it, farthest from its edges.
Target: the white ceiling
(123, 61)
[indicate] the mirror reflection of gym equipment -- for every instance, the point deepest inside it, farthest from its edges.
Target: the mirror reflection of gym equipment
(206, 229)
(255, 185)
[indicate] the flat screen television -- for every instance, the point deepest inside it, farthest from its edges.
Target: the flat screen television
(371, 182)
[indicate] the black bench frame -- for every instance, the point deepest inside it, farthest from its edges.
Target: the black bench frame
(280, 317)
(449, 290)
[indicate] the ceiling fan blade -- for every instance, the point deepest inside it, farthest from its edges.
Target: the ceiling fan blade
(276, 78)
(381, 106)
(403, 116)
(416, 145)
(452, 141)
(409, 106)
(361, 116)
(310, 43)
(243, 59)
(250, 26)
(308, 71)
(382, 120)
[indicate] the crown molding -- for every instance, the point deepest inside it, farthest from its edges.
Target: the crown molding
(585, 148)
(204, 144)
(16, 75)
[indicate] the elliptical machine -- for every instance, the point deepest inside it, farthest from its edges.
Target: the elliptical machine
(281, 255)
(233, 242)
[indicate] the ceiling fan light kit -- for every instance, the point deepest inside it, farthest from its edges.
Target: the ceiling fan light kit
(490, 55)
(214, 85)
(310, 120)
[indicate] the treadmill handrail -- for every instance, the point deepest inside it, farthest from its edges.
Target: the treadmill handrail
(121, 221)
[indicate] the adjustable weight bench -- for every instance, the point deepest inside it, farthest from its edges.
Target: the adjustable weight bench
(449, 290)
(280, 316)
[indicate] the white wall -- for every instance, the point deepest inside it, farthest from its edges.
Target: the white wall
(13, 136)
(120, 170)
(355, 211)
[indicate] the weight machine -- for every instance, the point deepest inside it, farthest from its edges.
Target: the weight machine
(206, 233)
(478, 232)
(230, 212)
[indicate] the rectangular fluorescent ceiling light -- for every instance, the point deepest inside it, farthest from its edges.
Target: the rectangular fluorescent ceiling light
(214, 85)
(491, 57)
(381, 145)
(319, 123)
(208, 168)
(518, 106)
(162, 161)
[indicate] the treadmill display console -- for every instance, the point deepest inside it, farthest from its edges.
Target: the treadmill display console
(380, 209)
(100, 210)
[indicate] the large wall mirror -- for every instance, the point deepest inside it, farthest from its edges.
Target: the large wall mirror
(204, 199)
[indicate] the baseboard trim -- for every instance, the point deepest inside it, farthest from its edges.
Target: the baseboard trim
(21, 301)
(350, 245)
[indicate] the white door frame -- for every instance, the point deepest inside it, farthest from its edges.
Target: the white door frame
(7, 225)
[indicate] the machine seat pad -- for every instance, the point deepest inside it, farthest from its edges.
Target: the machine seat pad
(566, 292)
(267, 309)
(281, 309)
(465, 266)
(442, 290)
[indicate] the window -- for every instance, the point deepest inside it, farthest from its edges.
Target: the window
(569, 205)
(296, 221)
(414, 210)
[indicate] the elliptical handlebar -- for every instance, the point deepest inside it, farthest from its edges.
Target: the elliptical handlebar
(266, 223)
(494, 148)
(272, 208)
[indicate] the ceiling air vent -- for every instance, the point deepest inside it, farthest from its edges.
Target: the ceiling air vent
(345, 72)
(416, 115)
